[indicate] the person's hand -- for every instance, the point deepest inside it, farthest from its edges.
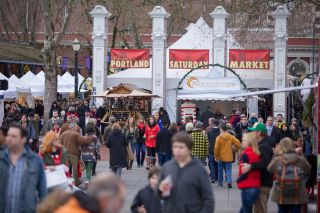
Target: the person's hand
(30, 140)
(299, 150)
(245, 167)
(164, 186)
(51, 168)
(142, 209)
(151, 137)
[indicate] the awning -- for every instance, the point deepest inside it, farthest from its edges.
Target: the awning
(208, 97)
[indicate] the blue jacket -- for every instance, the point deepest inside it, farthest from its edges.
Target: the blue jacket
(35, 187)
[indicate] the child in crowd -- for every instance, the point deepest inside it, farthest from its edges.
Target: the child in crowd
(249, 183)
(147, 199)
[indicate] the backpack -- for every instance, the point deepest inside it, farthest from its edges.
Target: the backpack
(290, 178)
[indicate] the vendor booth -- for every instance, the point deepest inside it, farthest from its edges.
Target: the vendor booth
(126, 100)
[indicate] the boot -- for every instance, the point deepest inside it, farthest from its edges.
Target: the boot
(130, 164)
(148, 163)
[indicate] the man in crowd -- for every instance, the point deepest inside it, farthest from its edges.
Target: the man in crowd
(54, 119)
(235, 119)
(200, 143)
(242, 127)
(22, 178)
(179, 174)
(266, 153)
(107, 130)
(273, 131)
(213, 164)
(209, 128)
(183, 127)
(106, 194)
(163, 144)
(223, 152)
(72, 140)
(279, 120)
(205, 117)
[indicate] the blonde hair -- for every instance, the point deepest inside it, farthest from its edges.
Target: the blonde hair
(252, 142)
(116, 126)
(286, 145)
(47, 141)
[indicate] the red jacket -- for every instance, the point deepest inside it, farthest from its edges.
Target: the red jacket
(253, 177)
(150, 135)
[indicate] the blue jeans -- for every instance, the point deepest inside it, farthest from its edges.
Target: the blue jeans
(227, 166)
(248, 198)
(289, 208)
(213, 166)
(163, 157)
(140, 153)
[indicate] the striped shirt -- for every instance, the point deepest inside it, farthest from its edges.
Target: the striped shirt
(14, 189)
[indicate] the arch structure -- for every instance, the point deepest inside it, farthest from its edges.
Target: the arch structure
(212, 65)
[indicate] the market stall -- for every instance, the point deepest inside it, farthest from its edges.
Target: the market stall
(126, 100)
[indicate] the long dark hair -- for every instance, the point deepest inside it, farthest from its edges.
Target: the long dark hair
(154, 122)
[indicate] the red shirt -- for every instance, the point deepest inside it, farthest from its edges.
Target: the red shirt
(253, 177)
(150, 134)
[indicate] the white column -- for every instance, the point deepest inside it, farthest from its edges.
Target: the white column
(159, 17)
(280, 57)
(219, 16)
(100, 41)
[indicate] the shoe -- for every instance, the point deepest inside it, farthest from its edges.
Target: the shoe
(213, 181)
(229, 186)
(147, 168)
(138, 165)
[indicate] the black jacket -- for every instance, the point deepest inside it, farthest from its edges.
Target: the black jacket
(148, 198)
(240, 129)
(163, 141)
(266, 154)
(191, 191)
(212, 136)
(276, 135)
(117, 143)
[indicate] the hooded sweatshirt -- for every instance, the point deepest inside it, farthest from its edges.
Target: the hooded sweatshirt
(223, 150)
(191, 191)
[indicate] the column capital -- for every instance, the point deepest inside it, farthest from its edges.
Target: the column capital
(159, 12)
(99, 11)
(281, 12)
(280, 39)
(220, 13)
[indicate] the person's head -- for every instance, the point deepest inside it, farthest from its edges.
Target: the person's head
(87, 113)
(131, 121)
(211, 120)
(250, 140)
(280, 118)
(3, 134)
(286, 145)
(198, 126)
(72, 109)
(244, 120)
(253, 115)
(187, 120)
(298, 141)
(156, 116)
(16, 138)
(223, 128)
(56, 126)
(238, 113)
(165, 123)
(50, 142)
(90, 129)
(284, 127)
(215, 123)
(141, 119)
(116, 126)
(63, 113)
(260, 131)
(31, 116)
(55, 113)
(293, 127)
(173, 127)
(181, 146)
(269, 121)
(92, 121)
(189, 127)
(261, 120)
(24, 118)
(153, 177)
(109, 191)
(112, 120)
(151, 121)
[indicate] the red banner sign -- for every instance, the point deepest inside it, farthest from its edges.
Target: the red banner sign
(249, 59)
(130, 58)
(188, 59)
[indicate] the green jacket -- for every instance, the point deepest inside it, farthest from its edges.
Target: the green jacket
(48, 161)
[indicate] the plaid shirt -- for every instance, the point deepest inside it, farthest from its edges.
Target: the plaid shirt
(15, 182)
(200, 144)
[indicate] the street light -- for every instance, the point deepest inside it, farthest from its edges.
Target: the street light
(76, 48)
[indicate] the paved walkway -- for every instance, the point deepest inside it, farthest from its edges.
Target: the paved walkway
(226, 201)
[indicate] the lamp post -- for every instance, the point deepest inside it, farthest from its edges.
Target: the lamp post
(76, 48)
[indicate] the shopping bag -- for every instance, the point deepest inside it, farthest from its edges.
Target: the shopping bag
(56, 177)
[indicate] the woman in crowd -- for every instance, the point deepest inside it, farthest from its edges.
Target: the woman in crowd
(117, 144)
(150, 135)
(93, 122)
(249, 183)
(189, 128)
(131, 132)
(295, 132)
(52, 152)
(288, 165)
(173, 128)
(89, 152)
(24, 122)
(140, 147)
(285, 131)
(157, 119)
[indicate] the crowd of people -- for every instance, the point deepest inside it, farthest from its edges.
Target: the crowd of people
(271, 156)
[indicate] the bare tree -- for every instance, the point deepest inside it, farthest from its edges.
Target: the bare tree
(52, 40)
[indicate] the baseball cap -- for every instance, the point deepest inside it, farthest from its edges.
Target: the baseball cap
(258, 127)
